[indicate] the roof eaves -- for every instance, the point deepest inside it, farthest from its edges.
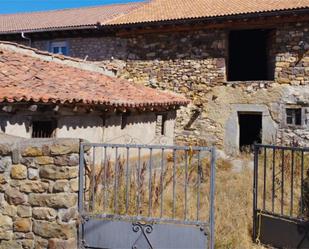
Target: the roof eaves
(63, 28)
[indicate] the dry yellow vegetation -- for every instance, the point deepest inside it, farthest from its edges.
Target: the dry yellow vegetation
(234, 209)
(233, 199)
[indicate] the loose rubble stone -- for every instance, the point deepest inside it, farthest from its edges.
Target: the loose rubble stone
(74, 183)
(64, 148)
(54, 172)
(33, 174)
(24, 211)
(7, 209)
(5, 149)
(60, 200)
(32, 152)
(29, 162)
(67, 215)
(41, 243)
(22, 225)
(43, 213)
(19, 171)
(44, 160)
(67, 160)
(62, 244)
(47, 229)
(61, 186)
(27, 243)
(5, 163)
(6, 227)
(16, 156)
(3, 179)
(11, 244)
(13, 196)
(34, 187)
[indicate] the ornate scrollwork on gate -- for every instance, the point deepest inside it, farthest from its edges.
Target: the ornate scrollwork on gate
(142, 242)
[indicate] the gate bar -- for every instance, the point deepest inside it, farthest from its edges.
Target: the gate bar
(81, 193)
(255, 187)
(212, 198)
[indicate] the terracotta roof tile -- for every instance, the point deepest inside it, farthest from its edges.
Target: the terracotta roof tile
(28, 78)
(60, 19)
(140, 12)
(163, 10)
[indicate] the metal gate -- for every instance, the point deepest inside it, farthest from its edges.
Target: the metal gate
(281, 196)
(146, 196)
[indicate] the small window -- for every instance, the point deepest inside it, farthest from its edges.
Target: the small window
(43, 129)
(59, 47)
(293, 116)
(124, 120)
(160, 125)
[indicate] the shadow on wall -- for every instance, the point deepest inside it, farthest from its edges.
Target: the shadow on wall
(80, 121)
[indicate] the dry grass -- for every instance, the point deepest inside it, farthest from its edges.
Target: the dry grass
(233, 203)
(234, 209)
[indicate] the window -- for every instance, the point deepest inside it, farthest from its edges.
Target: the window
(43, 129)
(59, 47)
(293, 116)
(160, 124)
(250, 57)
(124, 120)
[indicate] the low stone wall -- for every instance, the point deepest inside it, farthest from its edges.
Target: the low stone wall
(38, 193)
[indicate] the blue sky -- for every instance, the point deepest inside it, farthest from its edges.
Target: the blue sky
(15, 6)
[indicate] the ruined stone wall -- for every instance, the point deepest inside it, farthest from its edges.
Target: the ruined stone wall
(194, 64)
(38, 192)
(188, 63)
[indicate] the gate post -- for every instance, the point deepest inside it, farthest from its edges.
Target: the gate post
(80, 194)
(212, 198)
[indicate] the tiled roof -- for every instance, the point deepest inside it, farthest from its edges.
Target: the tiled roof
(63, 19)
(140, 12)
(31, 78)
(164, 10)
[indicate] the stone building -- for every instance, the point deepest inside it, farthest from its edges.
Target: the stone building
(244, 64)
(44, 95)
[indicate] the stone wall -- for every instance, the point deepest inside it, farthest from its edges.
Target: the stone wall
(38, 185)
(194, 64)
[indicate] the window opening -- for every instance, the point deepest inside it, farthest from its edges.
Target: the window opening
(160, 124)
(124, 120)
(43, 129)
(293, 116)
(59, 47)
(250, 56)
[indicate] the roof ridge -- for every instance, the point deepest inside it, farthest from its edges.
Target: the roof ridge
(57, 58)
(74, 8)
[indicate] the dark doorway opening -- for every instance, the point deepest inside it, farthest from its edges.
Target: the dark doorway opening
(249, 55)
(250, 130)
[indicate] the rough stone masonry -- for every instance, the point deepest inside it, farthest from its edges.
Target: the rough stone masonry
(194, 63)
(38, 192)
